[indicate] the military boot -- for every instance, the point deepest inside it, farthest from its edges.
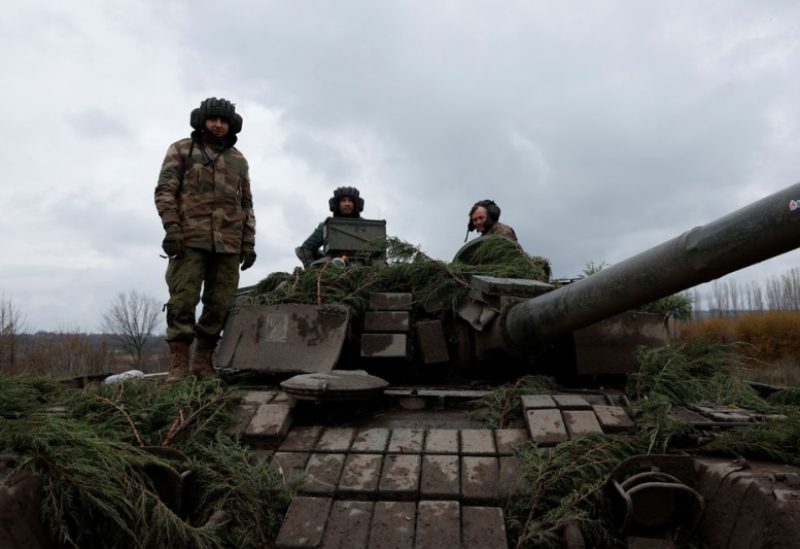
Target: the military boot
(202, 361)
(178, 361)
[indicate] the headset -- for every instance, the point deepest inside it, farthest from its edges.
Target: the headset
(352, 192)
(492, 212)
(216, 107)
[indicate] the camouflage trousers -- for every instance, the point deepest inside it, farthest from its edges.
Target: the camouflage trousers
(218, 276)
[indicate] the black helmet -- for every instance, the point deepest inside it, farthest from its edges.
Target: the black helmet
(213, 107)
(492, 214)
(351, 192)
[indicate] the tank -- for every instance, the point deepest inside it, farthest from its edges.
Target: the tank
(586, 327)
(370, 407)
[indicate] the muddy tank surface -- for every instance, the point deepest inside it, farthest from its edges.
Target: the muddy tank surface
(415, 403)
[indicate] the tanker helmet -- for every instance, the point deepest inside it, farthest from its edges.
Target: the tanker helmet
(213, 107)
(351, 192)
(492, 214)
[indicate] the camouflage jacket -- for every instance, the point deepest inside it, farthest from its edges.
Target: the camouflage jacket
(213, 203)
(501, 229)
(309, 251)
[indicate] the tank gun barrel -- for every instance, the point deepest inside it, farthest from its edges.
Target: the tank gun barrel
(764, 229)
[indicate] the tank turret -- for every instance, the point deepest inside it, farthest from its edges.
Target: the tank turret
(589, 326)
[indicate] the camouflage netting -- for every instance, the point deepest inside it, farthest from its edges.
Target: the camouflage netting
(565, 484)
(100, 482)
(89, 447)
(434, 283)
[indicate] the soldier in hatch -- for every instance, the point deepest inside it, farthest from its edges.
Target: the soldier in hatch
(345, 202)
(203, 198)
(484, 217)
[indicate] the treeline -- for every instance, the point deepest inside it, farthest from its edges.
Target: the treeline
(72, 353)
(777, 293)
(128, 342)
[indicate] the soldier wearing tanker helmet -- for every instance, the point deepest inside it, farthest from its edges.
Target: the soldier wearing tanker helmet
(206, 208)
(345, 202)
(484, 217)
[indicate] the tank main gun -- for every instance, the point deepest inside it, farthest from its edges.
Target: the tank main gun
(764, 229)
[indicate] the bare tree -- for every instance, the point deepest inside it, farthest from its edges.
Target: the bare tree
(130, 320)
(791, 289)
(697, 298)
(773, 293)
(754, 295)
(783, 293)
(733, 294)
(747, 296)
(10, 330)
(758, 296)
(719, 302)
(777, 293)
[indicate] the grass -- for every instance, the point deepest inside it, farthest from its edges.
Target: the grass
(784, 372)
(769, 336)
(101, 483)
(564, 484)
(767, 349)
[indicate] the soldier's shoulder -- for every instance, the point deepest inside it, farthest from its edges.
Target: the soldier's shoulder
(503, 230)
(182, 145)
(184, 142)
(236, 152)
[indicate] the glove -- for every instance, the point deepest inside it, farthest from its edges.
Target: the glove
(248, 257)
(173, 241)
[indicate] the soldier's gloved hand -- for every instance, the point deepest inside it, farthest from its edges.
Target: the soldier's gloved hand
(248, 257)
(173, 241)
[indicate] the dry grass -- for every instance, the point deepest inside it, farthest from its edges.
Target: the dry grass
(774, 335)
(780, 372)
(771, 343)
(67, 355)
(155, 361)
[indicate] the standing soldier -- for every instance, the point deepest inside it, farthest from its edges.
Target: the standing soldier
(203, 198)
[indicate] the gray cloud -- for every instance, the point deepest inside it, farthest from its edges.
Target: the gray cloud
(94, 123)
(601, 129)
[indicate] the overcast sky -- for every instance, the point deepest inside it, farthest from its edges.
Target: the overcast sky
(600, 128)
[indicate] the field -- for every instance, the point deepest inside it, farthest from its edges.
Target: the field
(766, 343)
(65, 354)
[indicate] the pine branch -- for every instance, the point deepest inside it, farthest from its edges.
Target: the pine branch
(125, 415)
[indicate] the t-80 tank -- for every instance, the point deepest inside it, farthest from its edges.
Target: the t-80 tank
(364, 381)
(384, 322)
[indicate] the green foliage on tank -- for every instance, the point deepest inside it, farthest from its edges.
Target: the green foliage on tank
(433, 283)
